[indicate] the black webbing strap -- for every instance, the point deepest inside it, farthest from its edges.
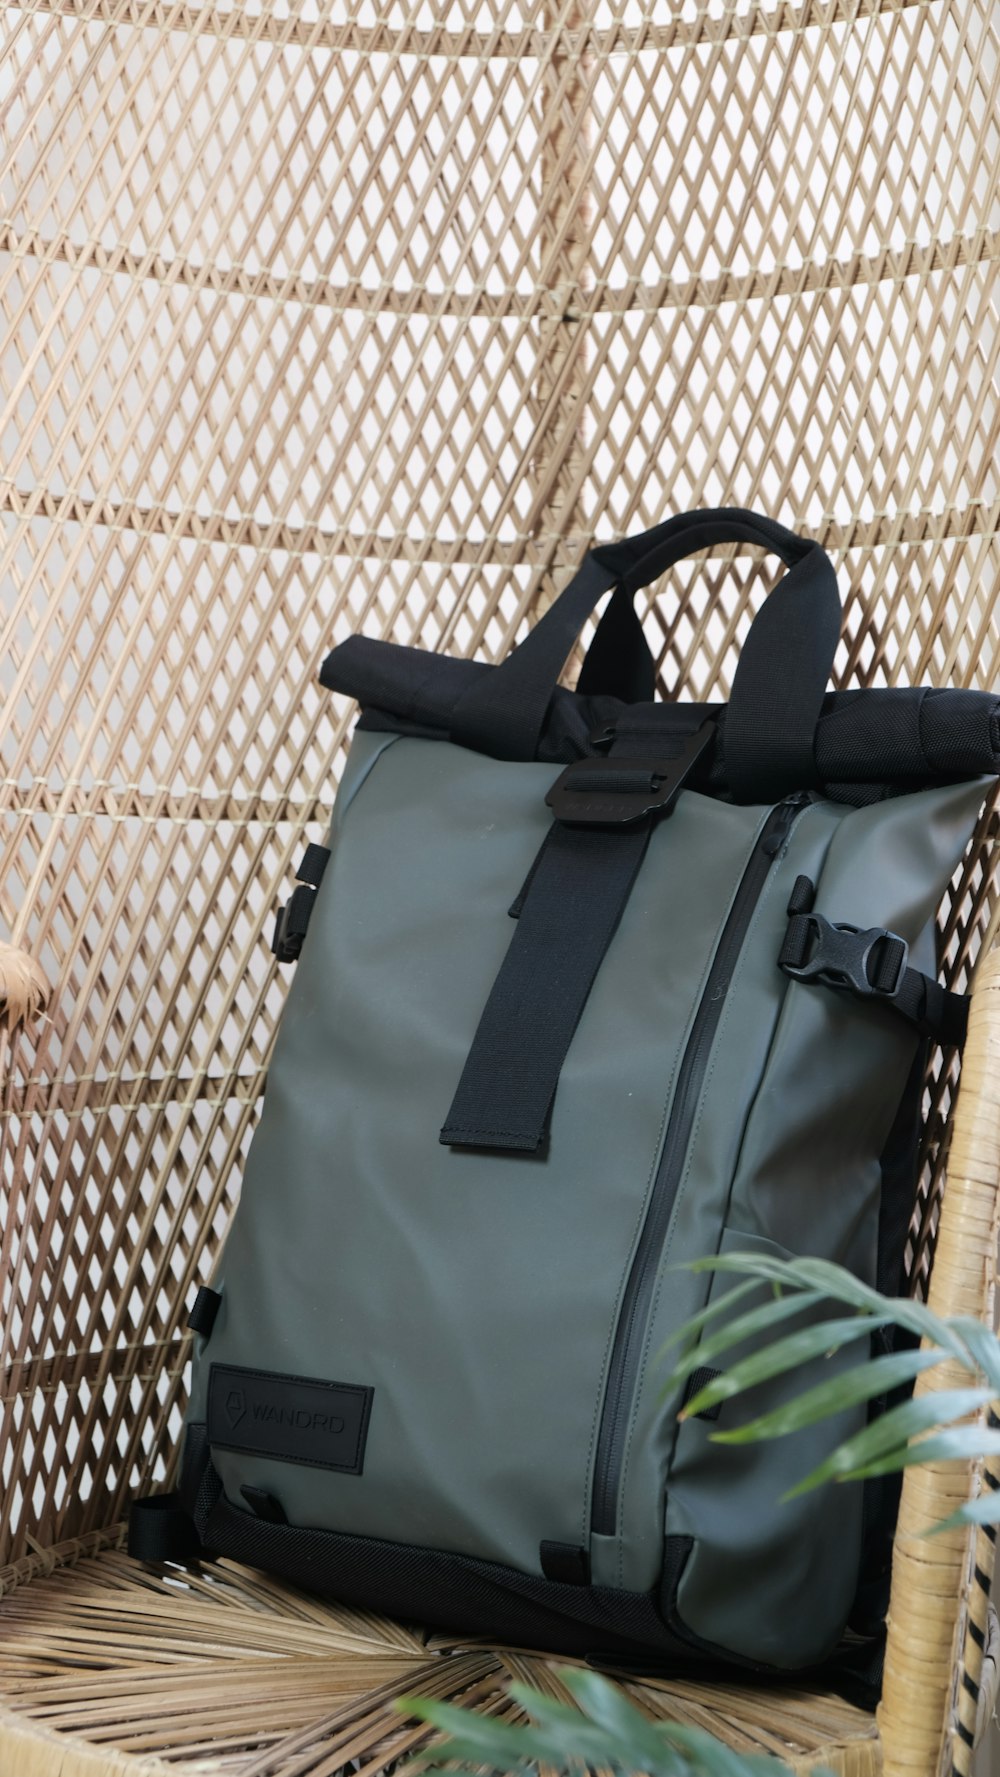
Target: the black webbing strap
(502, 712)
(569, 910)
(619, 661)
(936, 1012)
(779, 685)
(567, 1564)
(292, 922)
(870, 964)
(264, 1505)
(780, 682)
(698, 1380)
(160, 1529)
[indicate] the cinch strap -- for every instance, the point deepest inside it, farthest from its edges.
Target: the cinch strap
(567, 913)
(871, 964)
(574, 900)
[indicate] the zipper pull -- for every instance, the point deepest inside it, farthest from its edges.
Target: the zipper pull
(781, 822)
(602, 739)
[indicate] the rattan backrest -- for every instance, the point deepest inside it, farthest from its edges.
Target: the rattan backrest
(322, 317)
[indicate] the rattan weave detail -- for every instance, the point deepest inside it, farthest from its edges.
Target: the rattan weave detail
(318, 317)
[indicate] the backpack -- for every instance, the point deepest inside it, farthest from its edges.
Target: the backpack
(588, 987)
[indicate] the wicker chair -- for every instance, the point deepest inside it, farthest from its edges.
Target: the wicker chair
(316, 320)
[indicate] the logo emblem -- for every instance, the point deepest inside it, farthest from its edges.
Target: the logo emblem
(289, 1418)
(236, 1406)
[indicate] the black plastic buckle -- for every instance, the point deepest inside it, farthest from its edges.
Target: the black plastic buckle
(838, 956)
(618, 792)
(291, 923)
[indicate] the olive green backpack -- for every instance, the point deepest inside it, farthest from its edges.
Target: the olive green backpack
(588, 986)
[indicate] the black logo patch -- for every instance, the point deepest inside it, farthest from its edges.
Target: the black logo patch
(293, 1418)
(236, 1406)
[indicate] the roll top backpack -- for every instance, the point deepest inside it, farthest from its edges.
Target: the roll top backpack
(587, 987)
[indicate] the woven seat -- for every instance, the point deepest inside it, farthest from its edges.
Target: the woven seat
(228, 1672)
(321, 318)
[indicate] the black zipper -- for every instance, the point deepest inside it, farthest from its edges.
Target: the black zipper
(630, 1331)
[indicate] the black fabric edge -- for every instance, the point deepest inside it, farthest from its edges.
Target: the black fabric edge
(924, 736)
(437, 1589)
(458, 1594)
(452, 1593)
(160, 1529)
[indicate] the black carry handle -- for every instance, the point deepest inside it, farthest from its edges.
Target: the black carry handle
(779, 684)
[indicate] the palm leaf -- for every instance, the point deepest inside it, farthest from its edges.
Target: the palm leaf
(746, 1326)
(865, 1383)
(601, 1730)
(984, 1510)
(956, 1443)
(956, 1335)
(725, 1304)
(891, 1434)
(924, 1430)
(788, 1353)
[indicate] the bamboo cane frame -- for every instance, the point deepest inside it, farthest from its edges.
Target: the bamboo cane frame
(626, 264)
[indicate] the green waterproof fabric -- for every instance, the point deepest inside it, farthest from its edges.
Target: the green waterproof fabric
(477, 1294)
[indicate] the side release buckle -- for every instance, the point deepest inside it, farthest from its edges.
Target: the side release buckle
(293, 919)
(291, 923)
(612, 792)
(870, 963)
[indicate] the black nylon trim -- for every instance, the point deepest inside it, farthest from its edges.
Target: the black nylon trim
(204, 1309)
(869, 743)
(195, 1460)
(565, 1563)
(697, 1380)
(465, 1595)
(159, 1529)
(314, 862)
(443, 1590)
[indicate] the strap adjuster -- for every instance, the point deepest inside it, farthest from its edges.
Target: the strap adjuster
(869, 962)
(614, 792)
(291, 923)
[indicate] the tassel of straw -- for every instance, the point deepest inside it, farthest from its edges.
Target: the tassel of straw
(24, 991)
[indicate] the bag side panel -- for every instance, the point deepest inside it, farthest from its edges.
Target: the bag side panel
(766, 1576)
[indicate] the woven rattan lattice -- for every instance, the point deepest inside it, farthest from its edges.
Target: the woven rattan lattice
(335, 315)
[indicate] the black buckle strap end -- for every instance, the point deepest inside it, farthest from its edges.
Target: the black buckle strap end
(293, 918)
(869, 962)
(291, 923)
(872, 964)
